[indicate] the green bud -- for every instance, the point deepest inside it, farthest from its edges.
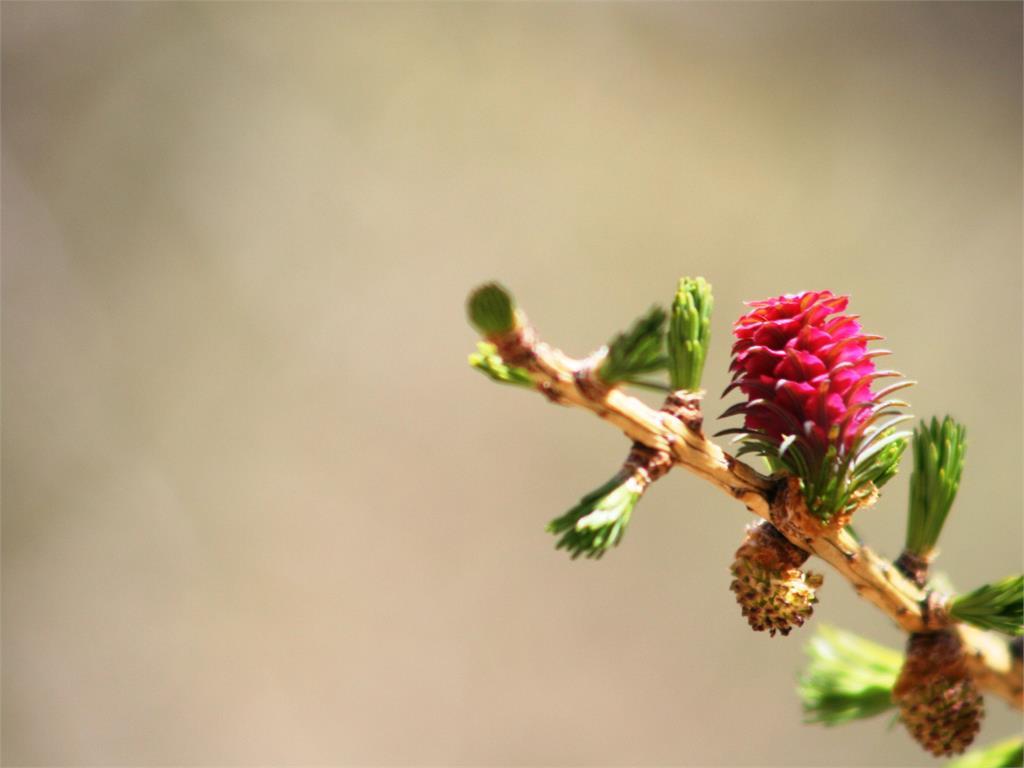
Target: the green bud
(998, 606)
(487, 360)
(689, 333)
(848, 677)
(491, 310)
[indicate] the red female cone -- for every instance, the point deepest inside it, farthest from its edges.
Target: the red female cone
(811, 410)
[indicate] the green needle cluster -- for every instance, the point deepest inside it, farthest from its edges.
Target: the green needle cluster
(886, 463)
(998, 606)
(938, 464)
(689, 333)
(848, 677)
(639, 350)
(1004, 754)
(598, 522)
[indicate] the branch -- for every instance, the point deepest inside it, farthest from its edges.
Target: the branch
(677, 432)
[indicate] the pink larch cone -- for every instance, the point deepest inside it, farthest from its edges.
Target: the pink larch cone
(811, 407)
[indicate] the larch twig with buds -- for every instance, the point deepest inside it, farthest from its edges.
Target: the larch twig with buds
(830, 439)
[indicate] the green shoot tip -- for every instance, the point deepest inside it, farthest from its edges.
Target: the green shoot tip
(491, 310)
(939, 449)
(598, 522)
(487, 360)
(639, 350)
(689, 333)
(848, 677)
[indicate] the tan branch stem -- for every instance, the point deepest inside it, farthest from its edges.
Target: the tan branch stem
(572, 382)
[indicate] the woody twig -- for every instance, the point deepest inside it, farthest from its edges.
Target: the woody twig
(830, 440)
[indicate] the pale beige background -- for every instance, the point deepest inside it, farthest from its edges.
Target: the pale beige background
(256, 508)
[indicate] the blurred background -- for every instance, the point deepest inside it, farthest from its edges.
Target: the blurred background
(256, 507)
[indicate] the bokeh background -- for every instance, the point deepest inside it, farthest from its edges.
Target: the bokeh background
(256, 507)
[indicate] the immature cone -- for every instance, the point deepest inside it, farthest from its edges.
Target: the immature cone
(774, 593)
(808, 360)
(807, 374)
(939, 702)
